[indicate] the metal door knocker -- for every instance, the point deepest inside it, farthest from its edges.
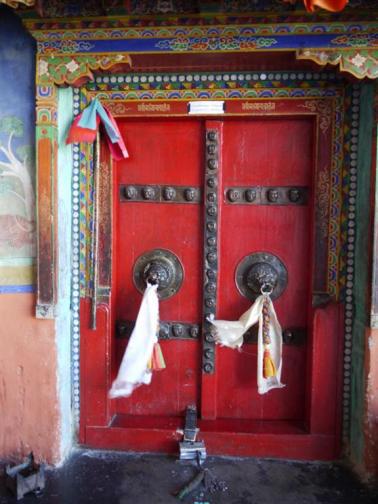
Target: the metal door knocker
(266, 289)
(159, 266)
(261, 273)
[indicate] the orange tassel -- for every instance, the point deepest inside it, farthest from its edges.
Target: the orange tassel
(269, 366)
(156, 362)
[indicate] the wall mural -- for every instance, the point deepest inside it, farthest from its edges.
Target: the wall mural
(17, 167)
(16, 190)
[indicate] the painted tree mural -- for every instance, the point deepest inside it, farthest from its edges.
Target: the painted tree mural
(17, 199)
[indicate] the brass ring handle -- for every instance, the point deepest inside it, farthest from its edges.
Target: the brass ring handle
(153, 273)
(266, 289)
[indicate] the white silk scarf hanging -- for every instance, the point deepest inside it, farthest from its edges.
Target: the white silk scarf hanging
(142, 354)
(269, 341)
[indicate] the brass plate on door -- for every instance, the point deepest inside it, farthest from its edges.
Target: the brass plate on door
(153, 193)
(167, 330)
(159, 266)
(292, 336)
(270, 195)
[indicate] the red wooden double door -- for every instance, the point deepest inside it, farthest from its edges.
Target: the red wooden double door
(206, 200)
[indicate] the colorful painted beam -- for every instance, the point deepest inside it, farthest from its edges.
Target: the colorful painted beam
(69, 50)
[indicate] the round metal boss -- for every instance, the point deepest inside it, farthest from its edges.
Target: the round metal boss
(261, 270)
(159, 266)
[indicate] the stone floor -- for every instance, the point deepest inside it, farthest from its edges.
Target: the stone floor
(112, 477)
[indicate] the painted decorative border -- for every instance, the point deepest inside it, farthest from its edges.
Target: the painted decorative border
(19, 277)
(68, 61)
(86, 204)
(70, 54)
(350, 127)
(334, 238)
(77, 68)
(350, 207)
(206, 39)
(12, 289)
(79, 198)
(203, 85)
(194, 26)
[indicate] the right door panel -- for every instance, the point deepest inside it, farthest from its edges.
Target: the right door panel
(272, 159)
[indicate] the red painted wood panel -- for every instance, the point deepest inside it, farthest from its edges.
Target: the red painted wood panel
(95, 368)
(168, 153)
(172, 389)
(326, 377)
(265, 152)
(268, 150)
(162, 151)
(289, 444)
(146, 226)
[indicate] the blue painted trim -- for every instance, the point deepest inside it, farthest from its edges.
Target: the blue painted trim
(201, 44)
(5, 289)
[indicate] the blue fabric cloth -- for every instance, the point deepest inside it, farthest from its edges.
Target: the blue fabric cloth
(88, 120)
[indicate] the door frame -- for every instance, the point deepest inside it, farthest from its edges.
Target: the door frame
(322, 439)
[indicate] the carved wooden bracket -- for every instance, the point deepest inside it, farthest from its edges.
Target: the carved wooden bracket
(75, 69)
(359, 62)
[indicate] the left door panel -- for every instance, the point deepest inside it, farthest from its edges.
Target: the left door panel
(166, 158)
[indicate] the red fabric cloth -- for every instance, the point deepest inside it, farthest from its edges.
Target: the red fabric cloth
(118, 150)
(330, 5)
(77, 134)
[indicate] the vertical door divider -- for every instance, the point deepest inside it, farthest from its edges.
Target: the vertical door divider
(211, 263)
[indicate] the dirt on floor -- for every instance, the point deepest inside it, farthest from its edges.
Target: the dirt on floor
(114, 477)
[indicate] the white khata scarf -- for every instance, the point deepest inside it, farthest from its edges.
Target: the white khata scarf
(269, 342)
(143, 354)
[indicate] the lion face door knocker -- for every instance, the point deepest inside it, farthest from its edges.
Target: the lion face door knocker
(162, 267)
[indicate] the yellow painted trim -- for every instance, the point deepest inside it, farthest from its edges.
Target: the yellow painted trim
(17, 275)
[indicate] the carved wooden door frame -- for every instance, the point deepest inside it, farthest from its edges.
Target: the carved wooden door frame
(327, 105)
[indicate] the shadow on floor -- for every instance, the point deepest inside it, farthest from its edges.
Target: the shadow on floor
(112, 477)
